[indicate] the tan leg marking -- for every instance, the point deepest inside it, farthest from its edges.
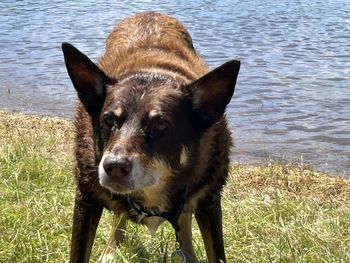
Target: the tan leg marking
(185, 236)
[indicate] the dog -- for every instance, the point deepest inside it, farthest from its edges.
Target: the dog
(151, 137)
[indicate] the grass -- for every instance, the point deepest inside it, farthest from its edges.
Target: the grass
(272, 212)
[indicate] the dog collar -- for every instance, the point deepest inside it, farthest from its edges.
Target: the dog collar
(171, 216)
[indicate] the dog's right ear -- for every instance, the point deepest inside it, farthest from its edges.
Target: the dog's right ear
(88, 80)
(212, 92)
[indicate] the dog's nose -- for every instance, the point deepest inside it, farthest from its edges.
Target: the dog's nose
(117, 166)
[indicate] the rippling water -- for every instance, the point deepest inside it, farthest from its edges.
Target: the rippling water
(293, 94)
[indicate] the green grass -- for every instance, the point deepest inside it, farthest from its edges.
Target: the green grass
(272, 212)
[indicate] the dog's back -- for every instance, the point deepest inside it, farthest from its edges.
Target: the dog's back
(144, 29)
(151, 41)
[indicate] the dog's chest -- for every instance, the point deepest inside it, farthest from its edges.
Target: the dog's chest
(153, 223)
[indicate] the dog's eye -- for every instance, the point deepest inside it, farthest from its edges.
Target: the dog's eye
(109, 120)
(157, 127)
(161, 125)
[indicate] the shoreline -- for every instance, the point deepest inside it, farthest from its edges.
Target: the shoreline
(17, 115)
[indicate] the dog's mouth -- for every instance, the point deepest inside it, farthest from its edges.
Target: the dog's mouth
(116, 186)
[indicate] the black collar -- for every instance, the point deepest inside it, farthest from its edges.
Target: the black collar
(171, 216)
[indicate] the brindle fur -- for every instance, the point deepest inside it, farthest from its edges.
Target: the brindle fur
(150, 68)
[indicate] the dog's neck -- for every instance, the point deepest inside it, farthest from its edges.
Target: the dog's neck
(171, 216)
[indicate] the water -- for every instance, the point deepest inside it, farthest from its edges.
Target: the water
(293, 94)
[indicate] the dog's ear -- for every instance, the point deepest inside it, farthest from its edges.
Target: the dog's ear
(88, 80)
(212, 92)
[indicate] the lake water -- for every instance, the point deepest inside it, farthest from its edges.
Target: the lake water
(292, 100)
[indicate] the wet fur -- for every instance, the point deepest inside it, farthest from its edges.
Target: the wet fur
(150, 58)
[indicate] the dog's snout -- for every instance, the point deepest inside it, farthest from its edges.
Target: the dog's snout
(117, 166)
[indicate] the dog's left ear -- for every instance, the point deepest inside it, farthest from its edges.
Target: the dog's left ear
(212, 92)
(88, 80)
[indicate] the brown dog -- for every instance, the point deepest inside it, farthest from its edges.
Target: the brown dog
(152, 143)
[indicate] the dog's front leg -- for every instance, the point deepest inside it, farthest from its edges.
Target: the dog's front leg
(209, 217)
(185, 236)
(85, 220)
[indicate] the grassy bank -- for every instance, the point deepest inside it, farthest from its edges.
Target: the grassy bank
(272, 213)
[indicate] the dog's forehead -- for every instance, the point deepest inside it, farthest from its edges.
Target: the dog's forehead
(153, 98)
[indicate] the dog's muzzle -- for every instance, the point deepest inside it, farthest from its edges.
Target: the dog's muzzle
(117, 173)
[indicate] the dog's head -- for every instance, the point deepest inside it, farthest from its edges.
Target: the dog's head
(150, 125)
